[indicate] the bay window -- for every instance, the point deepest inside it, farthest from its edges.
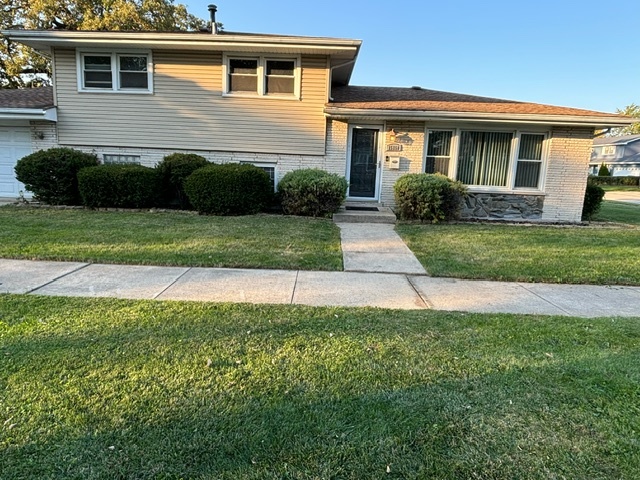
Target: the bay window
(504, 160)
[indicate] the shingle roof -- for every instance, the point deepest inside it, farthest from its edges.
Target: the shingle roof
(420, 99)
(26, 97)
(623, 140)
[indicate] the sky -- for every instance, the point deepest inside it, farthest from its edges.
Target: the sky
(578, 53)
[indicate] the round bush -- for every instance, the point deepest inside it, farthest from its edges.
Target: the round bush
(174, 170)
(311, 192)
(428, 197)
(119, 186)
(592, 200)
(230, 189)
(52, 174)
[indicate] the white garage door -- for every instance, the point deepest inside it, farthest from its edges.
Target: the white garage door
(15, 143)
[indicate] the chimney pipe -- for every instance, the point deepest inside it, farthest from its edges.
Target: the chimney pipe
(212, 11)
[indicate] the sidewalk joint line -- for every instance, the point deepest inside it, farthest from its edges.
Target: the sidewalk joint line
(155, 297)
(426, 302)
(58, 278)
(544, 299)
(295, 285)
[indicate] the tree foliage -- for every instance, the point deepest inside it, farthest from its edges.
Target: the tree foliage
(632, 110)
(20, 66)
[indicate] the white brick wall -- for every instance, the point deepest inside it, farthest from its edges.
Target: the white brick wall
(411, 137)
(48, 132)
(567, 171)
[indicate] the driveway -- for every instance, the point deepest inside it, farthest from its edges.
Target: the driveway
(626, 197)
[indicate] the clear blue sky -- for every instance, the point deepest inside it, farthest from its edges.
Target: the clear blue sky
(577, 53)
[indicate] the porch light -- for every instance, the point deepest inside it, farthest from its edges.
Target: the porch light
(393, 136)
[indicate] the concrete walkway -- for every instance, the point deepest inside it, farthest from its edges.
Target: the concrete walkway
(376, 248)
(622, 196)
(314, 288)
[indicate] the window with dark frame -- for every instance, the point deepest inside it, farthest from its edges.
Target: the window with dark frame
(243, 75)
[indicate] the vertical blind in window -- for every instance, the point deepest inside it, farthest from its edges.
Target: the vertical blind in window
(529, 161)
(438, 152)
(484, 158)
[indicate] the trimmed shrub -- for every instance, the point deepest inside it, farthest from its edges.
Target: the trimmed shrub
(312, 192)
(174, 170)
(229, 189)
(592, 200)
(603, 171)
(627, 180)
(428, 197)
(52, 174)
(119, 186)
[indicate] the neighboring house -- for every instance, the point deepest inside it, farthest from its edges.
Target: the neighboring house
(621, 155)
(285, 103)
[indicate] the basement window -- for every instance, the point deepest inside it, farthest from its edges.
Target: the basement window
(268, 168)
(109, 158)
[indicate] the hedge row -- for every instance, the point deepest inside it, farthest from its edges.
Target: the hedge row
(630, 181)
(63, 176)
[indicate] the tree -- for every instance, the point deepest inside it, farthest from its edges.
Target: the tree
(632, 110)
(20, 66)
(604, 171)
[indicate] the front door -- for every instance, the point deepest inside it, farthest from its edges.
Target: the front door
(364, 163)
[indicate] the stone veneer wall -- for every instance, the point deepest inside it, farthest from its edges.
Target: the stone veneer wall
(492, 206)
(567, 172)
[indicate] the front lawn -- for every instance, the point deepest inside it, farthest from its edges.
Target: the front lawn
(580, 254)
(259, 241)
(619, 212)
(96, 388)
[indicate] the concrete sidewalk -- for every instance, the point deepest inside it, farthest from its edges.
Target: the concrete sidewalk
(623, 196)
(314, 288)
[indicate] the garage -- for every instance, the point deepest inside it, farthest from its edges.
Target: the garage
(15, 143)
(20, 109)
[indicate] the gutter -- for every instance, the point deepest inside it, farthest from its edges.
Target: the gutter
(50, 114)
(435, 116)
(226, 42)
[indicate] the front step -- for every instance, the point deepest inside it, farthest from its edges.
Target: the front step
(364, 213)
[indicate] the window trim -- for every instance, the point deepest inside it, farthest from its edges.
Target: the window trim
(273, 165)
(262, 76)
(513, 156)
(115, 71)
(608, 150)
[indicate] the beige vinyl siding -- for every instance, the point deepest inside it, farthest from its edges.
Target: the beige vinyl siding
(187, 110)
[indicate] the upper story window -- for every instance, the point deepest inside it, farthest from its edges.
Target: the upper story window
(261, 76)
(487, 159)
(114, 72)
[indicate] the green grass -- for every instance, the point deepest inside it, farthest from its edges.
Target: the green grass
(96, 388)
(260, 241)
(591, 255)
(618, 212)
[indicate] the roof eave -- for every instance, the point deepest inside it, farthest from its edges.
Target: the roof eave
(44, 40)
(49, 114)
(568, 120)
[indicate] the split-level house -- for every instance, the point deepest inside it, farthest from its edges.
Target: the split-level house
(621, 155)
(285, 103)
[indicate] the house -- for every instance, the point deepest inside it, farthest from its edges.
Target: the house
(621, 155)
(285, 103)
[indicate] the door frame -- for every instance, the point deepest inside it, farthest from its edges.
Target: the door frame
(378, 181)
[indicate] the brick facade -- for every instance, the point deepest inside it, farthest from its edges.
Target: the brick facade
(565, 179)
